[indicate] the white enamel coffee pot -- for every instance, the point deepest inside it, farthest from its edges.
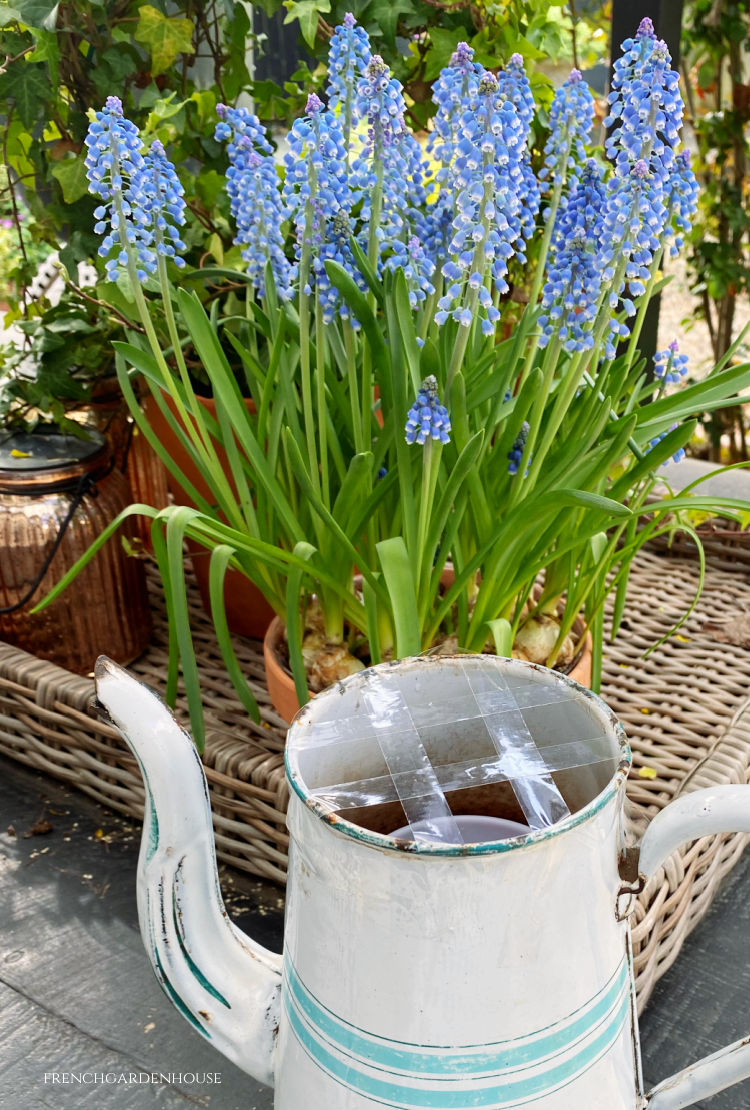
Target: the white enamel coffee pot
(424, 973)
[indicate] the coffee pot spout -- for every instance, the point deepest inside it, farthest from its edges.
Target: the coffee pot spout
(227, 986)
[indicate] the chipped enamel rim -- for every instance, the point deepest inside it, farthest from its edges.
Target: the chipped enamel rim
(387, 843)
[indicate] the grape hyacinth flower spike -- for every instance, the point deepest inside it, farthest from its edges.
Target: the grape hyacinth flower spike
(645, 105)
(633, 218)
(386, 166)
(255, 199)
(571, 119)
(516, 452)
(488, 180)
(163, 202)
(143, 199)
(571, 290)
(318, 196)
(453, 93)
(682, 189)
(669, 365)
(348, 55)
(427, 418)
(514, 84)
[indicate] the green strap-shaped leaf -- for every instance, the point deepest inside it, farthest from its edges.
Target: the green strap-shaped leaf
(295, 621)
(105, 535)
(221, 557)
(357, 302)
(227, 391)
(180, 618)
(658, 454)
(159, 544)
(407, 329)
(714, 392)
(366, 270)
(146, 430)
(317, 505)
(402, 592)
(502, 635)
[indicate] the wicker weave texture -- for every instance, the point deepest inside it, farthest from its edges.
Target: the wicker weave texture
(683, 706)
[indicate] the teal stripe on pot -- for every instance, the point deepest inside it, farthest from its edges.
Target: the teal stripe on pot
(475, 1060)
(448, 1094)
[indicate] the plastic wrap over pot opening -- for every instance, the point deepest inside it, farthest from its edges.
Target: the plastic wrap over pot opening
(419, 742)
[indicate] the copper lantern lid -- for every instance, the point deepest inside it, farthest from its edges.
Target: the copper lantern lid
(32, 462)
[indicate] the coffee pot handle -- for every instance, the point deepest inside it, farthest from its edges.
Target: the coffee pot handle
(720, 809)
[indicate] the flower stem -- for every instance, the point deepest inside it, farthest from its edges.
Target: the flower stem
(541, 265)
(304, 348)
(430, 469)
(635, 333)
(350, 344)
(376, 211)
(320, 382)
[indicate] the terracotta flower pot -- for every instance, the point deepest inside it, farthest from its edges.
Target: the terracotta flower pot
(278, 680)
(248, 612)
(281, 684)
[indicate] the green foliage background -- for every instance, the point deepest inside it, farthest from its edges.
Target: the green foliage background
(169, 64)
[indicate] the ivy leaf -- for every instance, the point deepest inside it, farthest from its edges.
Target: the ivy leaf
(112, 70)
(164, 36)
(205, 101)
(17, 145)
(111, 292)
(210, 185)
(9, 15)
(39, 14)
(307, 13)
(163, 109)
(386, 12)
(47, 50)
(71, 173)
(443, 44)
(27, 85)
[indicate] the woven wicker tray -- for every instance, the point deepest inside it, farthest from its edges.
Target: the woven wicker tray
(683, 708)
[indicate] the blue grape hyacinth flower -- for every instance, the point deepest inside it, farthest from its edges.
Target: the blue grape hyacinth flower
(571, 291)
(669, 365)
(645, 105)
(427, 418)
(513, 83)
(452, 93)
(489, 225)
(682, 203)
(162, 200)
(143, 199)
(255, 199)
(380, 101)
(348, 55)
(633, 219)
(318, 195)
(392, 158)
(516, 452)
(571, 119)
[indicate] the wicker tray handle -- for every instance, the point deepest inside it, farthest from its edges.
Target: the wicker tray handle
(719, 809)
